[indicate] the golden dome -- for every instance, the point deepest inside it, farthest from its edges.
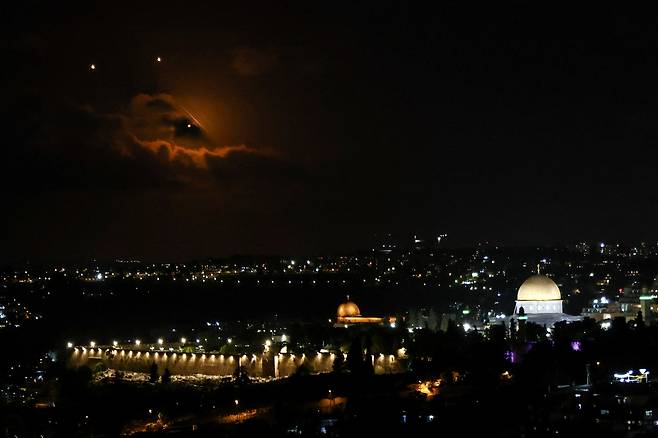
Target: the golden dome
(538, 288)
(347, 309)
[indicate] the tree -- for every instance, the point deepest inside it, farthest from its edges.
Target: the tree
(413, 318)
(432, 321)
(639, 320)
(241, 375)
(339, 363)
(302, 370)
(166, 376)
(512, 329)
(355, 362)
(522, 325)
(534, 332)
(153, 373)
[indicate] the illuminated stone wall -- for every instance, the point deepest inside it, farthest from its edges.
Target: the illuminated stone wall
(263, 365)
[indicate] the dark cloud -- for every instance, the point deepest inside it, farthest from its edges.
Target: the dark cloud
(151, 144)
(160, 103)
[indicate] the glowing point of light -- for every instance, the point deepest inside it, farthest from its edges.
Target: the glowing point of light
(229, 340)
(183, 340)
(69, 344)
(92, 344)
(137, 342)
(467, 326)
(236, 401)
(160, 341)
(158, 59)
(92, 67)
(115, 343)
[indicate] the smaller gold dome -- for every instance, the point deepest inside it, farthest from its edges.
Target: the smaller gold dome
(348, 309)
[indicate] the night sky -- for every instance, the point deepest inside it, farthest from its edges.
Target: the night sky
(276, 128)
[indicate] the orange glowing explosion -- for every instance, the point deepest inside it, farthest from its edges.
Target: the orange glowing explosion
(194, 156)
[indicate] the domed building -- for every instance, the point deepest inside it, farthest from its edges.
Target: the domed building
(539, 300)
(348, 314)
(348, 309)
(539, 294)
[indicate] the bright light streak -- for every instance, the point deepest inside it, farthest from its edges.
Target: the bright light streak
(191, 116)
